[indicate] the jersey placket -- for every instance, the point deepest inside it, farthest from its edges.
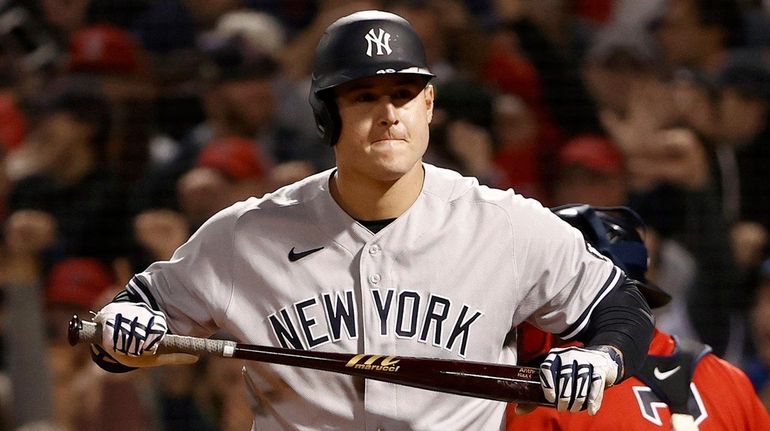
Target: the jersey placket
(376, 291)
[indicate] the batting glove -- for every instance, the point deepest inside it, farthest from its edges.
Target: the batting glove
(574, 378)
(131, 329)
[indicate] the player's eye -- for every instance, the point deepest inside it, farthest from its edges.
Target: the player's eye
(364, 97)
(404, 94)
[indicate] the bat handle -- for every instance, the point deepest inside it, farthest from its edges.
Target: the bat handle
(80, 331)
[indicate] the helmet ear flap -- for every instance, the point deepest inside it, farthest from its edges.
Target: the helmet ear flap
(327, 118)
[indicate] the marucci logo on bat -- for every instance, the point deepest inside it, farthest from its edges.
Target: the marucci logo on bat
(387, 363)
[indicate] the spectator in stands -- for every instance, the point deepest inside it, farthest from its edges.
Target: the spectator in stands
(240, 101)
(61, 174)
(666, 130)
(730, 116)
(106, 58)
(696, 34)
(228, 170)
(744, 154)
(618, 61)
(554, 41)
(26, 235)
(671, 183)
(590, 170)
(490, 135)
(460, 130)
(264, 33)
(524, 152)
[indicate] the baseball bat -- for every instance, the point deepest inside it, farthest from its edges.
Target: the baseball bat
(508, 383)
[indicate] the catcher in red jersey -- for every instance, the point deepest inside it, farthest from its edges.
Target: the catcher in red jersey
(682, 386)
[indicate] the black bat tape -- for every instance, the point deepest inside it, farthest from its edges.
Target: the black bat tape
(91, 332)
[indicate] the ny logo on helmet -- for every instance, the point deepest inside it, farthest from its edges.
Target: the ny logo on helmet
(381, 40)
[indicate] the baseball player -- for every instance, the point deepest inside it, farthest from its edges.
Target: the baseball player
(385, 254)
(682, 385)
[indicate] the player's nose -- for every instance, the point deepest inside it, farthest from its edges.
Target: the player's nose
(387, 113)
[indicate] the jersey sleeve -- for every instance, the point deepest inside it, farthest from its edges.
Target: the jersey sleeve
(194, 287)
(563, 277)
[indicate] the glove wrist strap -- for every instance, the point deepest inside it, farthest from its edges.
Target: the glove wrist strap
(616, 355)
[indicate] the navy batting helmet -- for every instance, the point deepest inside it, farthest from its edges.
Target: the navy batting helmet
(614, 232)
(361, 45)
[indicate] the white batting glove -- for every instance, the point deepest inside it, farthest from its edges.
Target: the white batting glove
(131, 329)
(574, 378)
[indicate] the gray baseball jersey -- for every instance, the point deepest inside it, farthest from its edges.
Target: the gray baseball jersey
(450, 278)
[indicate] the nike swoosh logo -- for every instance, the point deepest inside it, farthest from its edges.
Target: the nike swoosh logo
(293, 257)
(663, 375)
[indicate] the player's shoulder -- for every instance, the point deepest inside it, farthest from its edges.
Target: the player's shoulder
(291, 195)
(720, 370)
(453, 186)
(730, 388)
(278, 203)
(457, 189)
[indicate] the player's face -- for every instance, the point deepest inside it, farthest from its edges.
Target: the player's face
(385, 122)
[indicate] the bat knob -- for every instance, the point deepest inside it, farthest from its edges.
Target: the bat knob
(73, 330)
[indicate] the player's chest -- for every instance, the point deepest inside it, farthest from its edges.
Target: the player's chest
(460, 261)
(388, 289)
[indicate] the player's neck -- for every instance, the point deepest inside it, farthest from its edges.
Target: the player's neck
(367, 199)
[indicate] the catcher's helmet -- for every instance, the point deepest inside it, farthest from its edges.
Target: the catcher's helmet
(614, 232)
(361, 45)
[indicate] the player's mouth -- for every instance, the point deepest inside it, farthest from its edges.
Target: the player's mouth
(388, 141)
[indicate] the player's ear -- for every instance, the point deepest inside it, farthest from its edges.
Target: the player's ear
(430, 96)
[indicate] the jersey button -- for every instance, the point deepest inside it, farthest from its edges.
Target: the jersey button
(374, 250)
(374, 279)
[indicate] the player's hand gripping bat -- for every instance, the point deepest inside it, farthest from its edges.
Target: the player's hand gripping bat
(475, 379)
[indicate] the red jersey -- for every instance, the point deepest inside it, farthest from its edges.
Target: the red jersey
(721, 398)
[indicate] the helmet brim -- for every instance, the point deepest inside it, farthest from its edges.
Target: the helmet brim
(348, 75)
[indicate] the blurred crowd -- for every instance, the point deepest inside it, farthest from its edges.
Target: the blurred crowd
(124, 124)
